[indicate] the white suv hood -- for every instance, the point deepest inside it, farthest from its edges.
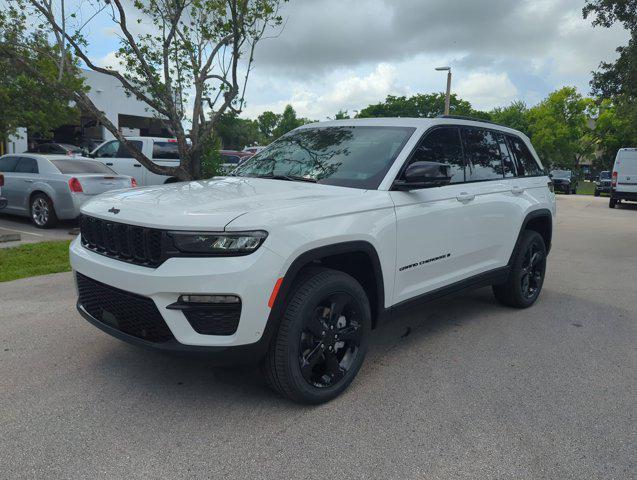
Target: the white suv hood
(207, 205)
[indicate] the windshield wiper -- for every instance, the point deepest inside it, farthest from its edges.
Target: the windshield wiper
(289, 178)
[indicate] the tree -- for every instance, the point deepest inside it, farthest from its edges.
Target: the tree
(421, 106)
(561, 128)
(514, 116)
(267, 122)
(236, 133)
(190, 68)
(288, 121)
(341, 115)
(31, 101)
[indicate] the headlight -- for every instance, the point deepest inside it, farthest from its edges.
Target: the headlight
(240, 243)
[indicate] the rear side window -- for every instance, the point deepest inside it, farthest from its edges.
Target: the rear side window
(443, 145)
(526, 164)
(508, 165)
(165, 151)
(484, 160)
(81, 166)
(27, 165)
(7, 164)
(124, 152)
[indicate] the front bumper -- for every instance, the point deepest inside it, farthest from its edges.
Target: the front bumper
(251, 277)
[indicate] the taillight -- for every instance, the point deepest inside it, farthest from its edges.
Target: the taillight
(1, 180)
(75, 185)
(133, 182)
(613, 182)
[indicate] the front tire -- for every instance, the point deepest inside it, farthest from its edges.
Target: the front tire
(596, 193)
(42, 211)
(322, 339)
(527, 273)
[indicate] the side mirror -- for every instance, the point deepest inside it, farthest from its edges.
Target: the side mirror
(424, 175)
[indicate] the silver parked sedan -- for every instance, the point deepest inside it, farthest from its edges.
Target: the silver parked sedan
(51, 187)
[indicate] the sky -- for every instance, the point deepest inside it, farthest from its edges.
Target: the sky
(336, 55)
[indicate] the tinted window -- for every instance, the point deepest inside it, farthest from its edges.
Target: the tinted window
(71, 148)
(27, 165)
(443, 145)
(165, 151)
(230, 159)
(108, 150)
(349, 156)
(7, 164)
(508, 165)
(124, 152)
(603, 176)
(81, 166)
(483, 154)
(526, 164)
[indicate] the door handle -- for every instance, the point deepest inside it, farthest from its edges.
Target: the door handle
(465, 197)
(28, 181)
(109, 164)
(517, 190)
(136, 165)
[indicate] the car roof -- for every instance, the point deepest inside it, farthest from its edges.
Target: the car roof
(422, 123)
(154, 139)
(44, 156)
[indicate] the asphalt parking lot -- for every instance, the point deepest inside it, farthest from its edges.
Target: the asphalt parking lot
(29, 233)
(464, 388)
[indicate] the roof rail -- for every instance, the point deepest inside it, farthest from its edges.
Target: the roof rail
(463, 117)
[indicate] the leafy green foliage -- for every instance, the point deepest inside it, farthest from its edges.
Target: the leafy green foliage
(39, 102)
(420, 106)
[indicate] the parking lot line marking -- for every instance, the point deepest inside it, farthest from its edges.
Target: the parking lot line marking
(21, 231)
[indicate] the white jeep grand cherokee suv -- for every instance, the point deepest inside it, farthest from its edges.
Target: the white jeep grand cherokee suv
(295, 257)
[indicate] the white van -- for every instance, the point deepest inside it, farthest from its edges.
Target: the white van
(162, 151)
(624, 179)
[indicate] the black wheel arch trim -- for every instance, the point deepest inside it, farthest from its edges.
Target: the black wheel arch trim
(311, 256)
(539, 213)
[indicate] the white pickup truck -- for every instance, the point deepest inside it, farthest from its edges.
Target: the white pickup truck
(162, 151)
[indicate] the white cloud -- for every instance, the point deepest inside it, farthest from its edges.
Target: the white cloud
(338, 92)
(487, 90)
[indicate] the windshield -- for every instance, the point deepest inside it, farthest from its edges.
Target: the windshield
(81, 166)
(349, 156)
(561, 174)
(604, 176)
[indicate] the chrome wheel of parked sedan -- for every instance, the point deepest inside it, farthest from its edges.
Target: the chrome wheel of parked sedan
(42, 213)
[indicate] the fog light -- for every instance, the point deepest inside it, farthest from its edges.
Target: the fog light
(209, 299)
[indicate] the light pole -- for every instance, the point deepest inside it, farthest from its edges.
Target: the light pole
(448, 95)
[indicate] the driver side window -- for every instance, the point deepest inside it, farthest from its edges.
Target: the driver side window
(108, 150)
(443, 145)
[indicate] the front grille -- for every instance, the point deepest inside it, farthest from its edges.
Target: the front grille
(129, 243)
(217, 319)
(127, 312)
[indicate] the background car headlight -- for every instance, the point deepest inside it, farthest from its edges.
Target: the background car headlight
(239, 243)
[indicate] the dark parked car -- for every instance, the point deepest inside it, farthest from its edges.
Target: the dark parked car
(56, 149)
(564, 181)
(3, 201)
(602, 184)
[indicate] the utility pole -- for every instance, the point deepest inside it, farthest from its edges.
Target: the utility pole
(448, 94)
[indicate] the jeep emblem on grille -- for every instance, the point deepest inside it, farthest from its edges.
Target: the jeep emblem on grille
(114, 211)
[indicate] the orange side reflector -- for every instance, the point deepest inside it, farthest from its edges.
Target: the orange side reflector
(275, 292)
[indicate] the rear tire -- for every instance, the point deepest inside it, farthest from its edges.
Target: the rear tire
(42, 212)
(322, 339)
(612, 203)
(527, 273)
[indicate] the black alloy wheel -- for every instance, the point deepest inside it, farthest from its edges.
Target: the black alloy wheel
(526, 277)
(330, 340)
(532, 272)
(322, 338)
